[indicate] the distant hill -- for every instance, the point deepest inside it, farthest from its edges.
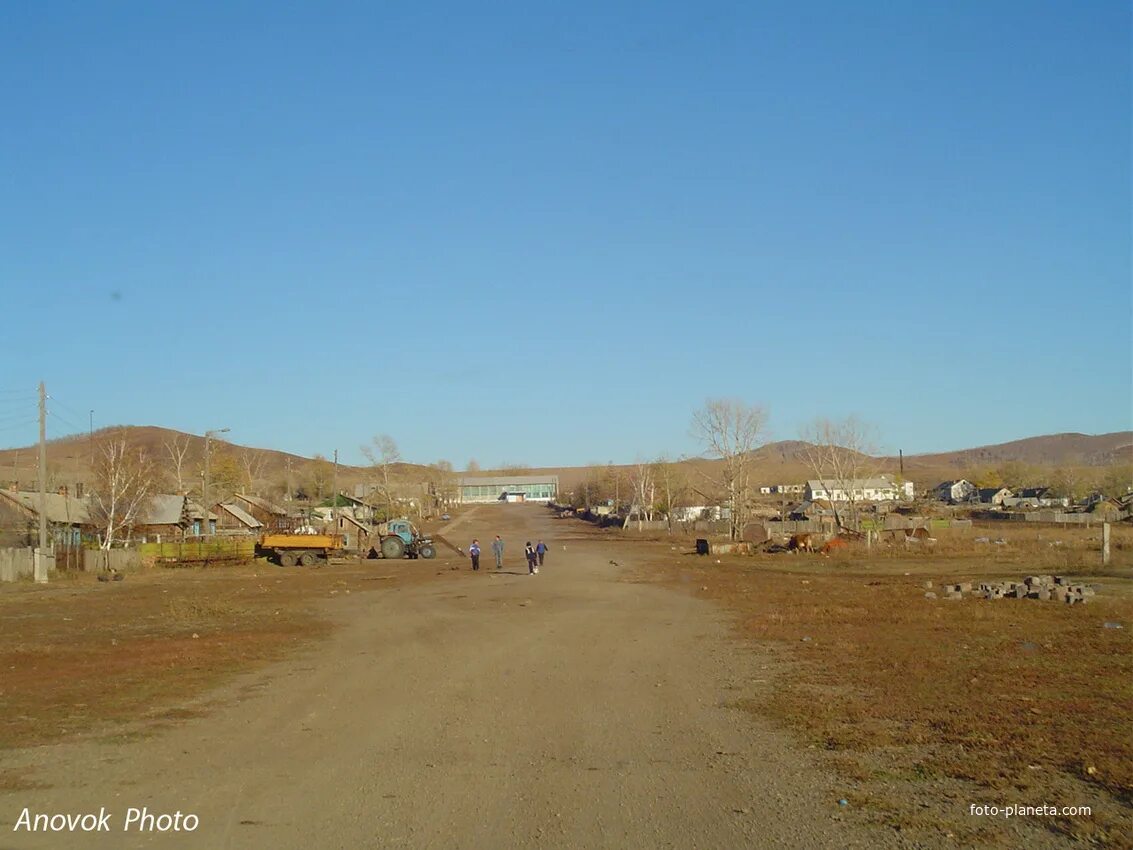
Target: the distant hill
(1050, 450)
(784, 461)
(69, 460)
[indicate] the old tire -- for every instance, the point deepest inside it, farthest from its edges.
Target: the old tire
(308, 559)
(427, 551)
(287, 559)
(393, 547)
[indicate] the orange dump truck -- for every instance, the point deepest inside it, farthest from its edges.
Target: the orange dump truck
(307, 549)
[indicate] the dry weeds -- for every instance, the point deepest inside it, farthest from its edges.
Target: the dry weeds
(1011, 701)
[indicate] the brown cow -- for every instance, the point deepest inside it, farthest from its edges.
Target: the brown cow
(832, 544)
(801, 543)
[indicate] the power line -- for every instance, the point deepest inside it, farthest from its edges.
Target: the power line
(66, 406)
(18, 425)
(65, 421)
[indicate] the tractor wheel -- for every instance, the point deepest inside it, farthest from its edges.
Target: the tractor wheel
(308, 559)
(393, 547)
(427, 551)
(287, 559)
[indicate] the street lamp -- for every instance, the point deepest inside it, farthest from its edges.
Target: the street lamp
(205, 489)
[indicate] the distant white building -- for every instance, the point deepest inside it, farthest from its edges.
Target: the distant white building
(693, 513)
(508, 488)
(955, 491)
(880, 489)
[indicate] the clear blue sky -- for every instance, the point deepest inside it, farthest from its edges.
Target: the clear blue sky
(545, 233)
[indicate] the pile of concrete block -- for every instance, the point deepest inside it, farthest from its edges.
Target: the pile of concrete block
(1043, 588)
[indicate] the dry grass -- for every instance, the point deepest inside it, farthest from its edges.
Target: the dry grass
(79, 657)
(1014, 700)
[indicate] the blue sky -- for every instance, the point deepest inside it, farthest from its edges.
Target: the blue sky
(545, 233)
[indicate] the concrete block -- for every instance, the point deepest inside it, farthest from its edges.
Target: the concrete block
(930, 595)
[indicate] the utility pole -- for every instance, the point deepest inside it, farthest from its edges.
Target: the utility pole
(41, 553)
(334, 503)
(205, 486)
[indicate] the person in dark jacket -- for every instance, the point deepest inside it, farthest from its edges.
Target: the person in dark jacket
(474, 553)
(529, 550)
(541, 551)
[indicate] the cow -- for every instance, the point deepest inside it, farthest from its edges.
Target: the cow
(832, 545)
(801, 543)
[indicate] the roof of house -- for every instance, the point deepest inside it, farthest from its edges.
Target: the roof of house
(262, 504)
(1034, 492)
(195, 510)
(988, 492)
(242, 516)
(162, 509)
(62, 510)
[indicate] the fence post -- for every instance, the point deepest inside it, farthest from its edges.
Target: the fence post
(1105, 543)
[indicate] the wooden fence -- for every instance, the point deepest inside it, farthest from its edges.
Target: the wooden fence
(200, 550)
(102, 560)
(18, 563)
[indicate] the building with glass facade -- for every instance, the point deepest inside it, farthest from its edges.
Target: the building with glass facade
(508, 488)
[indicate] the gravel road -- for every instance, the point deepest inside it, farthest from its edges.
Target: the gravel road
(569, 709)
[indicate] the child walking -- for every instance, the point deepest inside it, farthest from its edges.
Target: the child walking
(529, 550)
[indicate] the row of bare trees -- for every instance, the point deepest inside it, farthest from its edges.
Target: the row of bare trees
(839, 453)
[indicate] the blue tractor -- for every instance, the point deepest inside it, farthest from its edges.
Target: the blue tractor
(399, 538)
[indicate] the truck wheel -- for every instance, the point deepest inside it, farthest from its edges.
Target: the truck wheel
(287, 559)
(393, 547)
(427, 551)
(308, 559)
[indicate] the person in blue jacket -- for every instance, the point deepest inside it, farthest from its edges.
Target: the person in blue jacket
(541, 551)
(474, 552)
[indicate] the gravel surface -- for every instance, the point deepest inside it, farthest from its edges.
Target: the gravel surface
(491, 709)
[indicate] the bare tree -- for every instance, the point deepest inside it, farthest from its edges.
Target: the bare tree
(252, 462)
(382, 455)
(123, 481)
(672, 486)
(473, 466)
(643, 485)
(444, 484)
(226, 476)
(177, 450)
(731, 431)
(321, 471)
(842, 455)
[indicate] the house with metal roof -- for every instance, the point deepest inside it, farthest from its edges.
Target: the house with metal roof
(68, 517)
(233, 519)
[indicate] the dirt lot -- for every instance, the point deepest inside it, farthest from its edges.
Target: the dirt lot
(413, 704)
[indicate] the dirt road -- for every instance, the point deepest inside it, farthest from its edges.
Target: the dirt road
(496, 710)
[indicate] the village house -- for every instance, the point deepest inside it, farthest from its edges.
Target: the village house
(1036, 497)
(233, 519)
(271, 515)
(880, 489)
(161, 518)
(955, 492)
(994, 495)
(68, 518)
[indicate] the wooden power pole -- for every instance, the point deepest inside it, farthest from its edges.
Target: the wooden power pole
(41, 554)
